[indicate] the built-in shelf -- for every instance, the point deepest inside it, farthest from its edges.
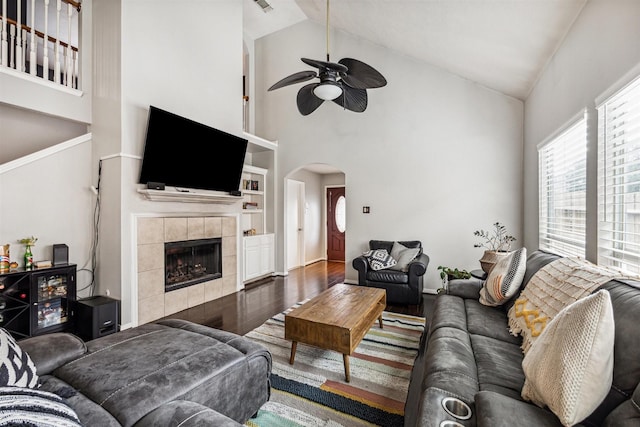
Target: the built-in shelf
(253, 192)
(190, 196)
(252, 211)
(257, 144)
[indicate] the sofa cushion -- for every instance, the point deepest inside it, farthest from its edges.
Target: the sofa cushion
(569, 368)
(505, 279)
(24, 406)
(379, 259)
(89, 412)
(488, 322)
(403, 256)
(135, 371)
(499, 365)
(16, 367)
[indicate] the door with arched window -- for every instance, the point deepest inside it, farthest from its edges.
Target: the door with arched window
(336, 223)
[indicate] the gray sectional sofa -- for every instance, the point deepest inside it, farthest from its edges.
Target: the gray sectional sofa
(468, 353)
(167, 373)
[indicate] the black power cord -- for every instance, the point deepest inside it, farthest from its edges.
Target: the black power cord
(94, 244)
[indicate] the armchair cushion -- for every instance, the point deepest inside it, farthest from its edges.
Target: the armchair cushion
(403, 256)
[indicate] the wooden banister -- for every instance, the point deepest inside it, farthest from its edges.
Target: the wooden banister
(76, 4)
(40, 34)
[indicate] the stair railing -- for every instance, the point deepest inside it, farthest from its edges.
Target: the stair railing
(27, 49)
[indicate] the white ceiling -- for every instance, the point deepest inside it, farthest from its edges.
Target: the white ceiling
(501, 44)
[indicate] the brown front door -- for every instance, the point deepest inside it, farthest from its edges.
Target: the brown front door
(336, 225)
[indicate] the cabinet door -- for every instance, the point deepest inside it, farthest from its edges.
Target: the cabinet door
(52, 292)
(267, 254)
(251, 258)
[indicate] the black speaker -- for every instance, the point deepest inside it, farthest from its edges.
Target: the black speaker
(155, 185)
(96, 317)
(60, 254)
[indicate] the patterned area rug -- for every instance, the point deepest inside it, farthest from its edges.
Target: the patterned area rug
(313, 391)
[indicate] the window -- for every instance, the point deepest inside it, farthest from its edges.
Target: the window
(619, 180)
(341, 214)
(562, 186)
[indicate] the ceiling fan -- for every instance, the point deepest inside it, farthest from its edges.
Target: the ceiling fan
(345, 82)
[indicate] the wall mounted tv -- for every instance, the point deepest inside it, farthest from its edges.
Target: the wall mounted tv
(182, 153)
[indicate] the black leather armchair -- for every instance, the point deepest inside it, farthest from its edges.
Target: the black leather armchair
(402, 287)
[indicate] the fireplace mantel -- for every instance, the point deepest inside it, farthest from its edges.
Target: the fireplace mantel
(190, 196)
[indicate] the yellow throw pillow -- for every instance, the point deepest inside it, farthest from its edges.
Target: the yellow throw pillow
(569, 367)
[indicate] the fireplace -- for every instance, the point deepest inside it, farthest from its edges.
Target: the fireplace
(191, 261)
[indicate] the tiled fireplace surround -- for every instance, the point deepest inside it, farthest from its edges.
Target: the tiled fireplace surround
(152, 233)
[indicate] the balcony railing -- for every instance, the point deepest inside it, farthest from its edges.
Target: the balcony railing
(40, 38)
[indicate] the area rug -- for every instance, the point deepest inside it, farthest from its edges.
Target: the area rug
(313, 391)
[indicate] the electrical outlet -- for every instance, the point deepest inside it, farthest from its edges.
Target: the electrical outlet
(107, 292)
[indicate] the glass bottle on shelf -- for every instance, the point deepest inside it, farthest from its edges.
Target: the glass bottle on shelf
(28, 257)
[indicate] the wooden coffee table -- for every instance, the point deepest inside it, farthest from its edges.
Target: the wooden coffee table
(337, 320)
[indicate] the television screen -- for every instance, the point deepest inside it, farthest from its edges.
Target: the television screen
(180, 152)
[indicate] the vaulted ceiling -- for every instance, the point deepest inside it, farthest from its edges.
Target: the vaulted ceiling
(501, 44)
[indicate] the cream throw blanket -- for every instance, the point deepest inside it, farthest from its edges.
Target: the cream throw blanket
(553, 287)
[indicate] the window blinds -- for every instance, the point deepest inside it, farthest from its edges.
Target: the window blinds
(619, 180)
(562, 186)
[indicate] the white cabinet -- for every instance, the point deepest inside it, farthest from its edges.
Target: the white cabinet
(259, 259)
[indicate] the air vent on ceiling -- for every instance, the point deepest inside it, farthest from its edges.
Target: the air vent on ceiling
(266, 7)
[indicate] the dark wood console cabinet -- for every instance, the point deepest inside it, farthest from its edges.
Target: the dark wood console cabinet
(37, 301)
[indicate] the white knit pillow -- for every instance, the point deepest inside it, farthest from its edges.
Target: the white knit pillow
(569, 368)
(505, 279)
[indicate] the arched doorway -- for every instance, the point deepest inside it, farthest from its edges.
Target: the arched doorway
(307, 215)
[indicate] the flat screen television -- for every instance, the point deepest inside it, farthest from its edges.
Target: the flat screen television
(183, 153)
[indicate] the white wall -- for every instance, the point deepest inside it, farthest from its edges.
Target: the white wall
(434, 156)
(601, 47)
(38, 200)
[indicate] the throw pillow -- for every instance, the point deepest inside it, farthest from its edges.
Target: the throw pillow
(569, 368)
(379, 259)
(20, 406)
(16, 367)
(403, 255)
(505, 279)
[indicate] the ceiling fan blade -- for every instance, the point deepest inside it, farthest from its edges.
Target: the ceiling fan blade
(299, 77)
(308, 102)
(352, 99)
(361, 75)
(322, 64)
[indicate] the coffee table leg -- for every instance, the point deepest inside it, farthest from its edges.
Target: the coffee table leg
(380, 320)
(294, 344)
(347, 372)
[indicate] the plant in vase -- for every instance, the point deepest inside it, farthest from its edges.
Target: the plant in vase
(497, 244)
(28, 255)
(447, 274)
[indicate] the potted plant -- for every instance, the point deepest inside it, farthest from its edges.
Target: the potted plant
(497, 244)
(452, 273)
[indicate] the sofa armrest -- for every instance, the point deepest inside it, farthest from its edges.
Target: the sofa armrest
(419, 265)
(51, 351)
(185, 413)
(465, 288)
(494, 409)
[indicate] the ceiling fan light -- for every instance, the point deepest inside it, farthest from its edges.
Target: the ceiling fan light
(327, 91)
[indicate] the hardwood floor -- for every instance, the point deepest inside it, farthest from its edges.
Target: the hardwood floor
(246, 310)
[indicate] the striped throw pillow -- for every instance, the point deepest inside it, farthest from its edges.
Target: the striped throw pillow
(23, 406)
(16, 367)
(505, 279)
